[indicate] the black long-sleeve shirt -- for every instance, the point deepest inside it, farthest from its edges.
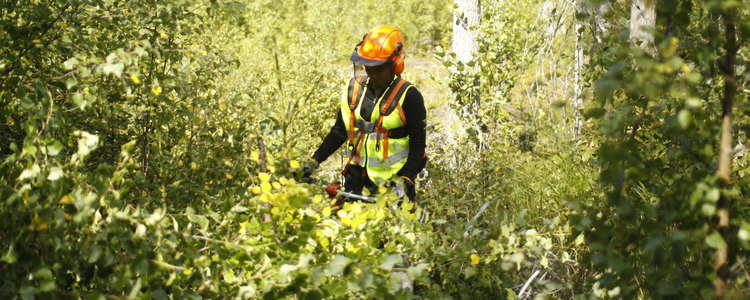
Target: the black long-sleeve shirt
(415, 113)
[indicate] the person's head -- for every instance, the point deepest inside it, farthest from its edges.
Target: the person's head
(381, 53)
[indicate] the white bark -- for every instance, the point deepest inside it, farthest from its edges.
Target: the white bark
(643, 19)
(578, 81)
(467, 16)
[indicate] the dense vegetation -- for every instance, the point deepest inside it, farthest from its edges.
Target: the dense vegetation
(141, 142)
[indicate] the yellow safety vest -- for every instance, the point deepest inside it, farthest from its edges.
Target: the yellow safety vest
(381, 144)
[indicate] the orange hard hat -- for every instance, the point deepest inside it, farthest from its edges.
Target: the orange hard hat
(383, 44)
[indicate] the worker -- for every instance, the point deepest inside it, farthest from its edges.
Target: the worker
(381, 119)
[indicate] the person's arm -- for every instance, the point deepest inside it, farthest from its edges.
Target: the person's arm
(415, 114)
(335, 138)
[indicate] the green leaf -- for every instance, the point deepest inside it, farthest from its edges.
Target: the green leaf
(159, 295)
(54, 147)
(469, 271)
(304, 260)
(284, 271)
(714, 240)
(596, 113)
(70, 63)
(246, 292)
(317, 275)
(30, 173)
(70, 83)
(713, 195)
(337, 265)
(708, 209)
(683, 118)
(10, 257)
(95, 295)
(391, 261)
(366, 278)
(417, 271)
(55, 173)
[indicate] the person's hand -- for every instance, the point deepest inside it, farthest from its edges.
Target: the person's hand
(306, 169)
(403, 187)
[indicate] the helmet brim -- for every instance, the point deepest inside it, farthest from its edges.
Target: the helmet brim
(355, 58)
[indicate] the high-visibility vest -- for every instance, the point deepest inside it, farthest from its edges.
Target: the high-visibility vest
(381, 144)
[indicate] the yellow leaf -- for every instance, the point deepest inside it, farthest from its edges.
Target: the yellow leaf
(65, 200)
(254, 156)
(193, 165)
(180, 163)
(263, 177)
(242, 227)
(266, 198)
(685, 69)
(222, 106)
(135, 79)
(266, 187)
(229, 176)
(164, 35)
(347, 221)
(157, 91)
(380, 214)
(255, 190)
(205, 187)
(202, 52)
(276, 185)
(283, 180)
(341, 214)
(323, 241)
(474, 259)
(317, 199)
(356, 208)
(271, 169)
(144, 194)
(326, 212)
(294, 164)
(37, 223)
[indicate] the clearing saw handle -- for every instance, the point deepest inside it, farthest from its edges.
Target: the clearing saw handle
(334, 191)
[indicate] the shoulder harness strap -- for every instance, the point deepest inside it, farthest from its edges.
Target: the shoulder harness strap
(356, 87)
(386, 108)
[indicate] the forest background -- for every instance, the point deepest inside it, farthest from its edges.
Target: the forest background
(148, 148)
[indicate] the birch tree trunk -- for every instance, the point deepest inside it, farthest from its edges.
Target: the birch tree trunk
(642, 19)
(466, 19)
(578, 69)
(466, 16)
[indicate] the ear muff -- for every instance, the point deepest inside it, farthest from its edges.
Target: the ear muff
(398, 61)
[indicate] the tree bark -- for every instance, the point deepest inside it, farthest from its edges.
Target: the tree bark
(466, 16)
(725, 154)
(579, 60)
(643, 18)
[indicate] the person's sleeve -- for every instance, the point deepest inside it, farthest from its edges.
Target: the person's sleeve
(416, 115)
(335, 138)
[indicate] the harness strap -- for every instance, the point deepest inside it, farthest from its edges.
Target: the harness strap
(379, 124)
(348, 163)
(352, 105)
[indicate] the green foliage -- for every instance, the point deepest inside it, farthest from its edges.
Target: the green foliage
(657, 121)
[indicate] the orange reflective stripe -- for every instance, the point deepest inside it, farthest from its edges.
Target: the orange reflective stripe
(385, 141)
